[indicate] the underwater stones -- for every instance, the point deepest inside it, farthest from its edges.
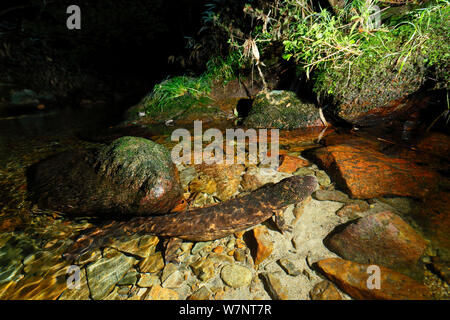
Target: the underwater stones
(331, 195)
(290, 164)
(152, 263)
(131, 176)
(353, 279)
(255, 177)
(352, 208)
(223, 180)
(383, 239)
(274, 286)
(80, 293)
(204, 269)
(289, 267)
(264, 245)
(281, 110)
(367, 173)
(148, 280)
(105, 273)
(201, 294)
(236, 276)
(141, 246)
(129, 278)
(325, 290)
(159, 293)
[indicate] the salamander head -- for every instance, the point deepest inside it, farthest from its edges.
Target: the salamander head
(297, 188)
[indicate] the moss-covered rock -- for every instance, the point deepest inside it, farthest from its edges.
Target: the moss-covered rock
(131, 176)
(412, 51)
(282, 110)
(181, 99)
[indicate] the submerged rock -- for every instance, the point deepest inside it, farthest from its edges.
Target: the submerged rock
(131, 176)
(105, 273)
(236, 276)
(353, 279)
(325, 290)
(382, 238)
(358, 166)
(282, 110)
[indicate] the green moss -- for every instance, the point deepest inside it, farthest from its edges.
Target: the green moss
(280, 110)
(395, 60)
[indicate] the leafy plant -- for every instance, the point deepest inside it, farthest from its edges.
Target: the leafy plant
(165, 92)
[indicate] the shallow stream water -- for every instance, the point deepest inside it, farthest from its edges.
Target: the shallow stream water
(33, 239)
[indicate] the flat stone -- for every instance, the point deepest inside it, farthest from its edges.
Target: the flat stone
(148, 280)
(169, 268)
(382, 238)
(353, 278)
(201, 246)
(186, 176)
(360, 168)
(274, 287)
(174, 280)
(201, 294)
(129, 278)
(223, 178)
(203, 268)
(105, 273)
(325, 290)
(304, 172)
(152, 263)
(264, 244)
(290, 164)
(239, 255)
(323, 179)
(80, 293)
(159, 293)
(236, 276)
(352, 209)
(141, 246)
(331, 195)
(289, 267)
(255, 177)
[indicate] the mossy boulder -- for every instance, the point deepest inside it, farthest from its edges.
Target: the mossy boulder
(410, 55)
(282, 110)
(131, 176)
(181, 109)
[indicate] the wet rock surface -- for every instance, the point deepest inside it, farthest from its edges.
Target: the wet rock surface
(282, 110)
(357, 165)
(130, 176)
(353, 279)
(31, 247)
(382, 238)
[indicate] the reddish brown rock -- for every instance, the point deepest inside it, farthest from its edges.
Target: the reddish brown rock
(290, 164)
(353, 278)
(382, 238)
(358, 165)
(264, 245)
